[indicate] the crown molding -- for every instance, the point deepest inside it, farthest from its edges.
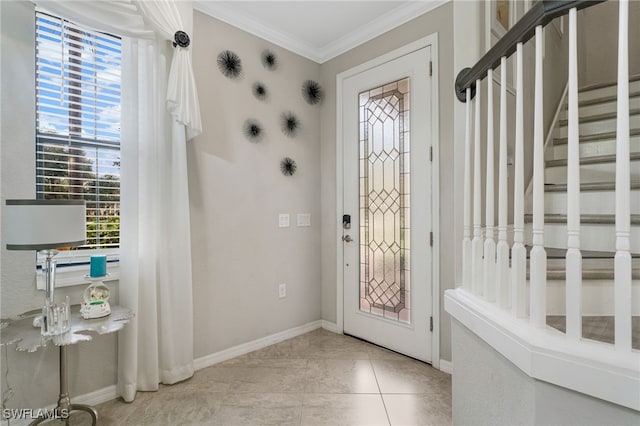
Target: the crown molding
(393, 19)
(396, 17)
(232, 17)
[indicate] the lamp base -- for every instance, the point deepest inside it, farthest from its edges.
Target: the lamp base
(56, 318)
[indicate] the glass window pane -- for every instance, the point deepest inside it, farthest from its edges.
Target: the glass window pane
(384, 201)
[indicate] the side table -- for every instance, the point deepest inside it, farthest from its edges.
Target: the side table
(29, 339)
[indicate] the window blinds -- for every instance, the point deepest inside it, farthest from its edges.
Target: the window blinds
(78, 122)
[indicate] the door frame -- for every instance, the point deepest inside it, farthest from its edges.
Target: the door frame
(432, 41)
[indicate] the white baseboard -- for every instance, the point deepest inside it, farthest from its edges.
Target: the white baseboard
(446, 366)
(330, 326)
(245, 348)
(97, 397)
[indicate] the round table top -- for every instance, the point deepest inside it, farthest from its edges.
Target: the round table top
(28, 337)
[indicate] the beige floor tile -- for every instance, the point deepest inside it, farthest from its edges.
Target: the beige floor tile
(343, 409)
(78, 418)
(415, 410)
(175, 408)
(258, 379)
(199, 382)
(337, 347)
(292, 348)
(259, 409)
(408, 376)
(248, 361)
(377, 352)
(340, 376)
(114, 412)
(319, 378)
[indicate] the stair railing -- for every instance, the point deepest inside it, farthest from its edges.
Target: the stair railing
(486, 270)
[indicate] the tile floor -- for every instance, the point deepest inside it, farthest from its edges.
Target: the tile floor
(319, 378)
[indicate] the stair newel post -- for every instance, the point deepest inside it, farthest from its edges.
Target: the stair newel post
(476, 243)
(466, 241)
(489, 242)
(518, 251)
(622, 262)
(502, 248)
(573, 256)
(538, 266)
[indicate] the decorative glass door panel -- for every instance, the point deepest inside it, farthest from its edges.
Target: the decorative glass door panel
(384, 201)
(386, 257)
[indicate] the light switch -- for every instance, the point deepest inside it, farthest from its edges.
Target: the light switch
(304, 219)
(283, 220)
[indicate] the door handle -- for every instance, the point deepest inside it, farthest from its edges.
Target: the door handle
(347, 238)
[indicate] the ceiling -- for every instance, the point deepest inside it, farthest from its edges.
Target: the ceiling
(318, 30)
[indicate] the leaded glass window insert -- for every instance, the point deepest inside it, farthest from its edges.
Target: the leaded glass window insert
(384, 201)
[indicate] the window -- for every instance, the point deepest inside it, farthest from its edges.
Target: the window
(78, 124)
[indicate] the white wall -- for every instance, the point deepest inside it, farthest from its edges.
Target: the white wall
(489, 389)
(437, 21)
(33, 376)
(237, 191)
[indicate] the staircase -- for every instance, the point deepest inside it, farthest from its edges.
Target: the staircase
(597, 116)
(597, 171)
(560, 316)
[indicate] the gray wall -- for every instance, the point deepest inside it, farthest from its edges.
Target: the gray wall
(237, 191)
(489, 389)
(33, 376)
(598, 43)
(438, 21)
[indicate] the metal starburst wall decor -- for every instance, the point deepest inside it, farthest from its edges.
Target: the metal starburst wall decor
(288, 166)
(253, 130)
(269, 60)
(259, 90)
(289, 124)
(312, 92)
(230, 64)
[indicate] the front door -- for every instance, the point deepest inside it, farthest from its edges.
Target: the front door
(386, 116)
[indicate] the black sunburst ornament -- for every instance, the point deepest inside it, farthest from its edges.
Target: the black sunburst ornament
(288, 166)
(289, 124)
(259, 90)
(269, 60)
(312, 92)
(253, 130)
(230, 64)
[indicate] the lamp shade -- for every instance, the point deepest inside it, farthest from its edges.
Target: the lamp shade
(44, 224)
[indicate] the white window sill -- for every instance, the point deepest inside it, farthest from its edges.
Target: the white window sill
(67, 276)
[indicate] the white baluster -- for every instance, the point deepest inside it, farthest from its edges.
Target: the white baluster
(476, 243)
(466, 242)
(518, 251)
(502, 249)
(573, 257)
(622, 289)
(489, 242)
(538, 266)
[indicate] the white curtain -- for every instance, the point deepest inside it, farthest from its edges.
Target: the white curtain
(182, 96)
(147, 20)
(159, 113)
(155, 262)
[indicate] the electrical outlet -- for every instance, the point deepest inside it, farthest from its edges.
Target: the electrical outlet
(282, 291)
